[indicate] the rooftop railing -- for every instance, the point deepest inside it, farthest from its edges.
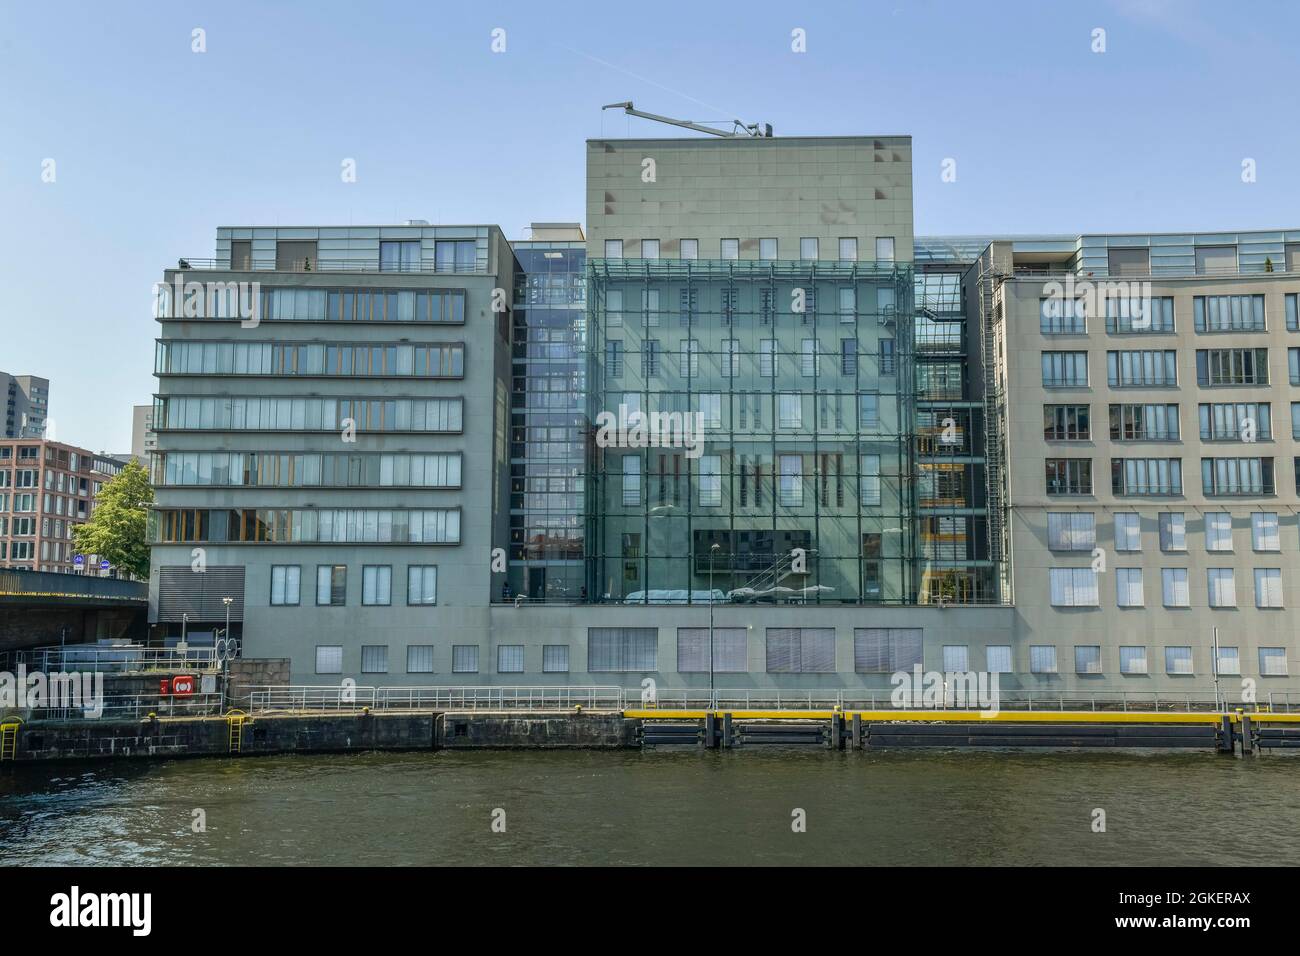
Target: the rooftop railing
(327, 265)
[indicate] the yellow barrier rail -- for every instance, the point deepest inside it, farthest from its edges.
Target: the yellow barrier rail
(972, 716)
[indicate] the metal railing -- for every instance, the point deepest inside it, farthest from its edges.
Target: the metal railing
(326, 698)
(109, 659)
(1198, 701)
(131, 707)
(305, 697)
(326, 265)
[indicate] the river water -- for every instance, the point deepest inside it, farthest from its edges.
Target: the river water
(667, 807)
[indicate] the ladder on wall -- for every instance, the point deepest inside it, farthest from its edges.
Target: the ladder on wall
(8, 740)
(235, 721)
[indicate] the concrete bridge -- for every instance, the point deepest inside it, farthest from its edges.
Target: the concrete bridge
(40, 608)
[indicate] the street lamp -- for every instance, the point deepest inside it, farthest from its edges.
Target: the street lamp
(712, 554)
(225, 652)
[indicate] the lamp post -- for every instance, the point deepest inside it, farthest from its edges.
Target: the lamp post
(713, 551)
(225, 652)
(1216, 668)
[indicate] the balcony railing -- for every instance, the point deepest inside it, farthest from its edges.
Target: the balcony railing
(327, 265)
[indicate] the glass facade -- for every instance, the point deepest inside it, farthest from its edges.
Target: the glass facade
(548, 423)
(754, 408)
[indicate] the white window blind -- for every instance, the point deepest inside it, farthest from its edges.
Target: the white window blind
(1074, 587)
(1128, 531)
(730, 650)
(1173, 586)
(1222, 586)
(1128, 587)
(1264, 532)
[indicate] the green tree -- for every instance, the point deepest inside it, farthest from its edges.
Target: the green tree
(116, 529)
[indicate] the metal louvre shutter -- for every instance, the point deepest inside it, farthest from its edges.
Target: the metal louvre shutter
(783, 650)
(622, 649)
(199, 593)
(886, 650)
(730, 650)
(817, 650)
(871, 650)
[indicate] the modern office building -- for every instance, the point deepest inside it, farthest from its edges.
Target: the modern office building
(27, 405)
(747, 430)
(143, 440)
(47, 489)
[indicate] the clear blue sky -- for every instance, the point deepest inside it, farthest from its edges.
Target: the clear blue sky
(155, 146)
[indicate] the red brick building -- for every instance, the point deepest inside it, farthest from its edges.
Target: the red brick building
(46, 489)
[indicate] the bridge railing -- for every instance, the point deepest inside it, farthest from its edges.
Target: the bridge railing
(337, 697)
(109, 659)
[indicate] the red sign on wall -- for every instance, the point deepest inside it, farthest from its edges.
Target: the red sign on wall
(183, 685)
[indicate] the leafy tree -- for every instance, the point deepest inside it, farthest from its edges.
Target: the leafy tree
(116, 529)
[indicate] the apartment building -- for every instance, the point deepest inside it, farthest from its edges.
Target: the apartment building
(46, 490)
(27, 405)
(1150, 441)
(331, 443)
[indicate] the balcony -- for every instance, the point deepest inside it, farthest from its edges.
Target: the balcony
(328, 266)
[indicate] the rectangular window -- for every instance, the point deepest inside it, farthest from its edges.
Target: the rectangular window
(886, 650)
(649, 248)
(869, 491)
(1228, 313)
(464, 658)
(1236, 421)
(374, 659)
(376, 585)
(614, 358)
(1128, 587)
(1222, 586)
(1216, 367)
(1061, 316)
(1173, 531)
(1173, 586)
(1272, 662)
(285, 585)
(510, 658)
(1144, 422)
(887, 363)
(1146, 476)
(331, 585)
(849, 251)
(1128, 531)
(1178, 660)
(730, 248)
(885, 249)
(555, 658)
(1145, 368)
(868, 411)
(808, 358)
(403, 256)
(1071, 531)
(1237, 476)
(730, 650)
(1073, 587)
(1065, 369)
(419, 659)
(808, 248)
(421, 584)
(789, 410)
(1265, 534)
(767, 249)
(1087, 659)
(955, 659)
(1132, 659)
(688, 249)
(801, 650)
(613, 248)
(1042, 659)
(790, 488)
(710, 481)
(1067, 423)
(1268, 587)
(631, 480)
(329, 658)
(1139, 314)
(1069, 476)
(849, 358)
(997, 658)
(1218, 531)
(612, 650)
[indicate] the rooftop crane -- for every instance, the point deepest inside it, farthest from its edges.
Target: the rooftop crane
(738, 128)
